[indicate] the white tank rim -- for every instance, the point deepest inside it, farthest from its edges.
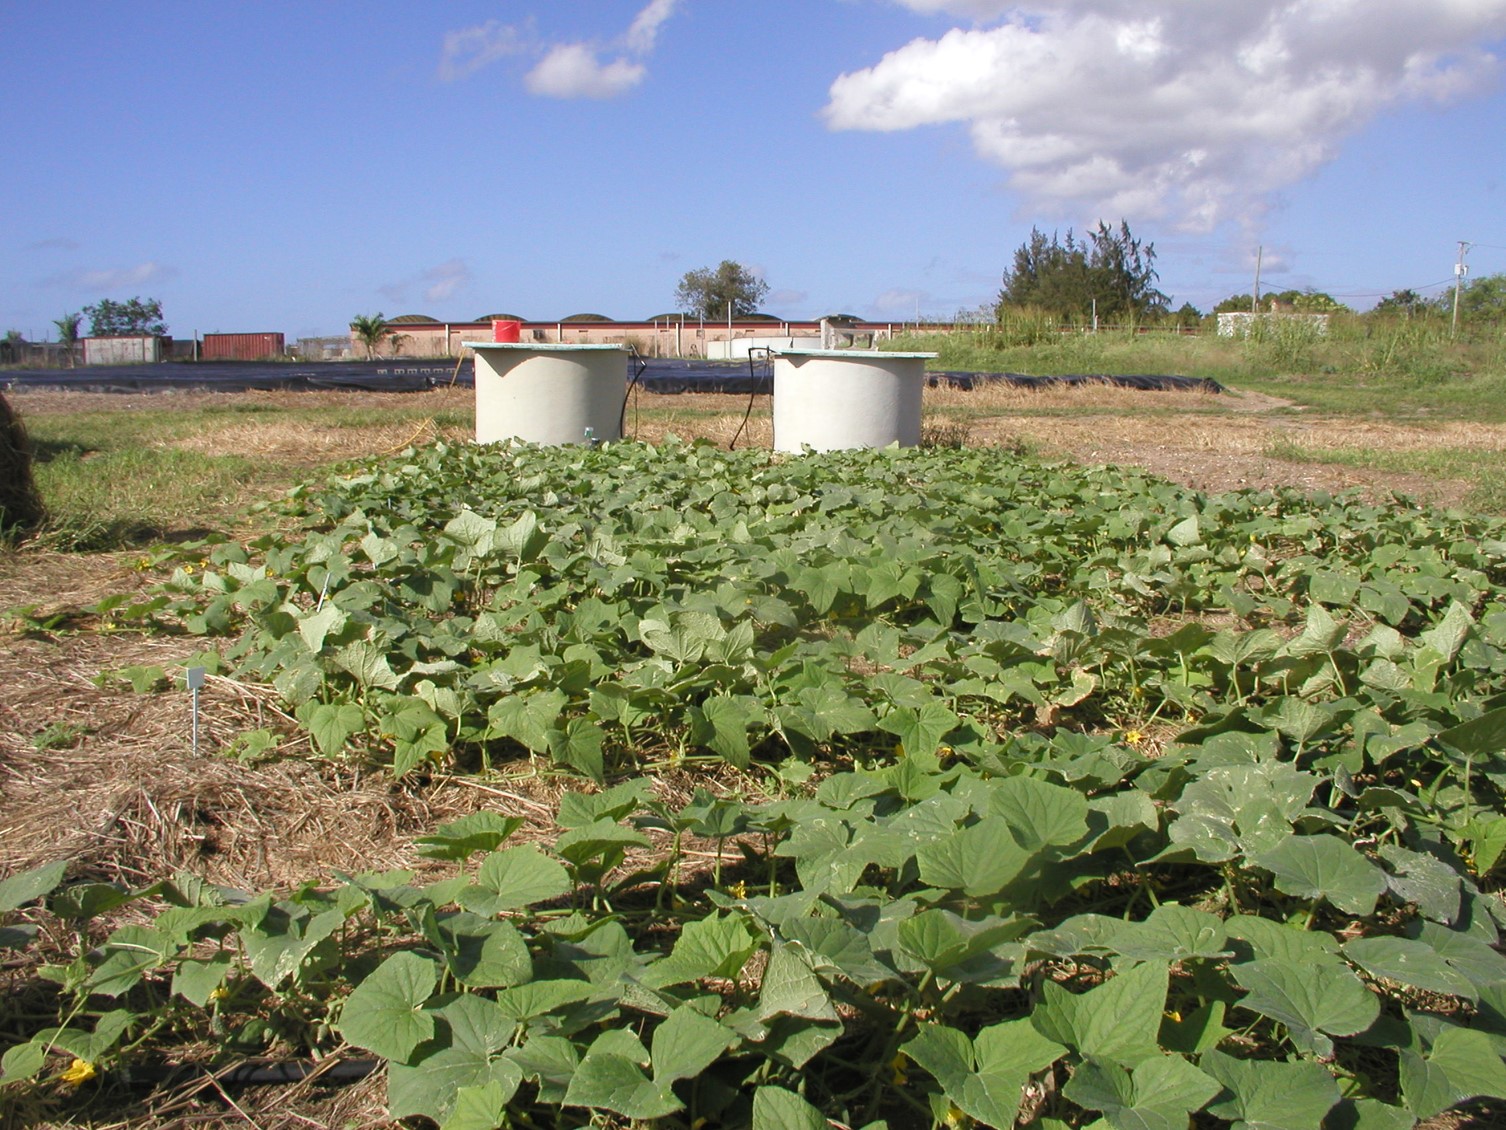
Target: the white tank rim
(855, 354)
(541, 346)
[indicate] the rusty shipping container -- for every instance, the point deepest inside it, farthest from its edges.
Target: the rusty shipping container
(243, 347)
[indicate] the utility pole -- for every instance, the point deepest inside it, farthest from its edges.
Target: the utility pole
(1460, 270)
(1255, 294)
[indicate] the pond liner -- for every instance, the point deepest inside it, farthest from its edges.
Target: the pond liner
(660, 375)
(1144, 382)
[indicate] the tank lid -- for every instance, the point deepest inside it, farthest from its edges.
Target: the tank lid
(854, 354)
(540, 346)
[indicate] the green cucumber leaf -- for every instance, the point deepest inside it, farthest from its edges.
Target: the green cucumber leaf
(1461, 1065)
(1327, 867)
(774, 1108)
(385, 1013)
(1118, 1021)
(515, 878)
(1267, 1095)
(984, 1077)
(1159, 1095)
(27, 886)
(469, 1033)
(1313, 1001)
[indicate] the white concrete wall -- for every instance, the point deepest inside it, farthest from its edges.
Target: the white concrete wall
(737, 349)
(122, 350)
(1241, 325)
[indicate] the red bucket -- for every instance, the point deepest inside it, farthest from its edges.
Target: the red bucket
(503, 330)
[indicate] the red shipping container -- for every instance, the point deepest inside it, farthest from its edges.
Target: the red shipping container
(243, 347)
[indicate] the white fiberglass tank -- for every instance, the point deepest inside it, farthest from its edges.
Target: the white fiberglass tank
(830, 399)
(549, 394)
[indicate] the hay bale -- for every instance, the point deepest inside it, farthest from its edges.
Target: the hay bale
(20, 504)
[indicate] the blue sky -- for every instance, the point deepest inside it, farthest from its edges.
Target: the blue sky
(286, 166)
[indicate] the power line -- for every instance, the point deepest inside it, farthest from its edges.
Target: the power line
(1385, 293)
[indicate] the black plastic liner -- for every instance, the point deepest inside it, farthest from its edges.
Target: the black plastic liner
(1146, 382)
(658, 375)
(243, 376)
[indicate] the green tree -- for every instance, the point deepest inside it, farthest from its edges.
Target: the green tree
(1234, 304)
(708, 293)
(370, 329)
(68, 335)
(1284, 302)
(1187, 317)
(1112, 274)
(1483, 299)
(1406, 303)
(1050, 275)
(133, 318)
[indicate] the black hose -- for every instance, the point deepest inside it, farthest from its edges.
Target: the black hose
(248, 1073)
(642, 366)
(768, 356)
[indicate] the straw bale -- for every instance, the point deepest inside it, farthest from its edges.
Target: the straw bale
(20, 503)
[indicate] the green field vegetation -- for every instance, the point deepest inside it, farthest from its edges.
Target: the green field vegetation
(1391, 367)
(1036, 793)
(1374, 368)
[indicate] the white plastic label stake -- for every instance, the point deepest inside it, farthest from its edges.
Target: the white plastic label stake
(195, 681)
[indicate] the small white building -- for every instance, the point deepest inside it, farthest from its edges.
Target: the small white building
(134, 349)
(1243, 325)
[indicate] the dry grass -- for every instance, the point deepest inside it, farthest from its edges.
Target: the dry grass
(120, 792)
(303, 441)
(1106, 398)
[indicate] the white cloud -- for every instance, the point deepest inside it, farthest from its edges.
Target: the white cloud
(644, 33)
(121, 278)
(1166, 109)
(436, 285)
(898, 303)
(579, 69)
(445, 280)
(470, 49)
(573, 70)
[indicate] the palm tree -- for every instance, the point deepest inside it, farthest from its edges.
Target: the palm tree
(68, 334)
(370, 329)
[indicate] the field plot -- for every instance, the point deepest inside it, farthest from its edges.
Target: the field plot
(662, 783)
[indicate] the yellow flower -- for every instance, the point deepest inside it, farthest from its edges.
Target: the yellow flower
(1133, 737)
(219, 994)
(955, 1116)
(79, 1071)
(897, 1076)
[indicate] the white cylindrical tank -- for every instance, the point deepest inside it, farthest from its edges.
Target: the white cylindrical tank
(550, 394)
(829, 399)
